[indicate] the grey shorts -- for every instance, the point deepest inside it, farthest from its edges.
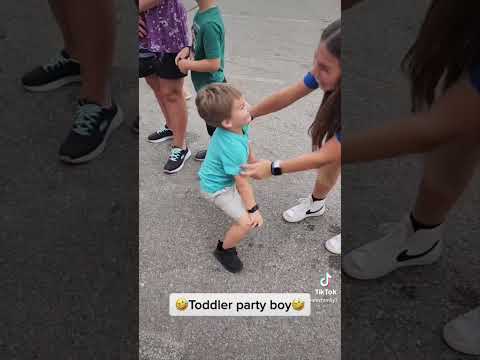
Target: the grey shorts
(229, 201)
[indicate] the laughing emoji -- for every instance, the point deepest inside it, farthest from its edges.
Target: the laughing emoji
(298, 304)
(181, 304)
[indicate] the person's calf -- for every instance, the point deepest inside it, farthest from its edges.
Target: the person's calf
(237, 232)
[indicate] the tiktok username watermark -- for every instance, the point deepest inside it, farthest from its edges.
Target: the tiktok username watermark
(325, 294)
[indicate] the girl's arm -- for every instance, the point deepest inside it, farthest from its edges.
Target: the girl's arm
(455, 114)
(329, 153)
(144, 5)
(281, 99)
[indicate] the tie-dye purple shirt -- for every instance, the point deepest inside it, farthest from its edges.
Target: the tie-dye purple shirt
(167, 27)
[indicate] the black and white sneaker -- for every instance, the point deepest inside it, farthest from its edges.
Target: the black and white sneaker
(306, 208)
(401, 246)
(62, 70)
(228, 258)
(201, 155)
(161, 135)
(176, 160)
(91, 129)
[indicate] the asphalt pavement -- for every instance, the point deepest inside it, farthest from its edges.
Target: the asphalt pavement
(269, 45)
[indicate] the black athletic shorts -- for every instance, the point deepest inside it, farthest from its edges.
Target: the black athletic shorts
(162, 65)
(165, 67)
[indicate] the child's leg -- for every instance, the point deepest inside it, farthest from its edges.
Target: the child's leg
(153, 82)
(59, 11)
(237, 232)
(447, 173)
(93, 32)
(326, 180)
(315, 205)
(171, 93)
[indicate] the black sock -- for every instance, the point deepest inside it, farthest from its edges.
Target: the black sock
(316, 199)
(220, 245)
(417, 225)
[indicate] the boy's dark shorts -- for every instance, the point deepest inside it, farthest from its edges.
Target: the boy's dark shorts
(162, 65)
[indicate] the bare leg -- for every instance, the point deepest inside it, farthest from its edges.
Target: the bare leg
(153, 82)
(447, 173)
(92, 28)
(237, 232)
(59, 9)
(326, 180)
(171, 93)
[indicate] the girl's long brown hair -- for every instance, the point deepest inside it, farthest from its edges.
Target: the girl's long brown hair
(328, 119)
(448, 44)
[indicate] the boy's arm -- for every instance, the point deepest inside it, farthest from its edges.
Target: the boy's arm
(281, 99)
(205, 65)
(251, 154)
(246, 191)
(211, 43)
(454, 115)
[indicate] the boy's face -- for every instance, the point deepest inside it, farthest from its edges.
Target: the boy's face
(240, 115)
(326, 69)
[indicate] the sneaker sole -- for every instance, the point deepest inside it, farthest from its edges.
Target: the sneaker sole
(320, 213)
(180, 167)
(54, 84)
(116, 122)
(398, 266)
(160, 140)
(229, 269)
(200, 160)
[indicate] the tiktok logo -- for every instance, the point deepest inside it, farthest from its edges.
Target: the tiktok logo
(325, 281)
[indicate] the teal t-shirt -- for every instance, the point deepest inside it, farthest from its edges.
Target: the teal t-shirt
(226, 153)
(208, 42)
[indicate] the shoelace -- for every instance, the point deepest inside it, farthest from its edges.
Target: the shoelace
(175, 154)
(86, 118)
(305, 201)
(56, 62)
(163, 131)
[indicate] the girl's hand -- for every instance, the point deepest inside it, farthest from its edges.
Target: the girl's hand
(259, 170)
(183, 54)
(142, 28)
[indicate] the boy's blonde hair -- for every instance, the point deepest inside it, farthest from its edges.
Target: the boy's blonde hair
(215, 103)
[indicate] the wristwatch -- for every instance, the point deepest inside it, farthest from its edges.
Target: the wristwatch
(276, 169)
(253, 209)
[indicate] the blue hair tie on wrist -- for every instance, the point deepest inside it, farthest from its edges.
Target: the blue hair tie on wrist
(310, 81)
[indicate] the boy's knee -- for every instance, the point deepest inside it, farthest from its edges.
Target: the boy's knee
(244, 223)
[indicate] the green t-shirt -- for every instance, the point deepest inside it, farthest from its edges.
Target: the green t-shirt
(208, 35)
(227, 151)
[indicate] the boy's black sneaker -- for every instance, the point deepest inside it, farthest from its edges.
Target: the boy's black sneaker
(161, 135)
(62, 70)
(228, 258)
(91, 129)
(176, 160)
(201, 155)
